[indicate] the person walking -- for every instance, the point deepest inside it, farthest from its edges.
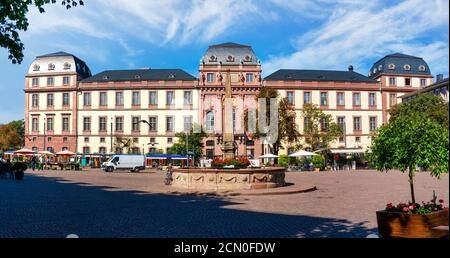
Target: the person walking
(41, 163)
(33, 163)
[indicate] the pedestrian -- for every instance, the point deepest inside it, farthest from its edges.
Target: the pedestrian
(41, 163)
(33, 163)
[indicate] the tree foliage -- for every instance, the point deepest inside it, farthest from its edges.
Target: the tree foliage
(320, 130)
(287, 128)
(414, 136)
(11, 136)
(13, 18)
(195, 144)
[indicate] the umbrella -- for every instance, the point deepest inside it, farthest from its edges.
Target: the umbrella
(24, 152)
(46, 153)
(301, 153)
(268, 156)
(66, 153)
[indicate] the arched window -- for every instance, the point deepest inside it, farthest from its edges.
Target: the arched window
(51, 67)
(36, 67)
(391, 66)
(422, 68)
(67, 66)
(210, 121)
(407, 67)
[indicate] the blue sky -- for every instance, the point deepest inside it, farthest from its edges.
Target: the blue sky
(322, 34)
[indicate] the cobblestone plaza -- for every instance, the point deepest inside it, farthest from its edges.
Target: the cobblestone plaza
(98, 204)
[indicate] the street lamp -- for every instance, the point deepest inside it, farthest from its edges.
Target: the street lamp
(111, 135)
(45, 129)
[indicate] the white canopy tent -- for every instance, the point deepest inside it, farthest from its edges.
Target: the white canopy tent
(346, 151)
(302, 153)
(268, 156)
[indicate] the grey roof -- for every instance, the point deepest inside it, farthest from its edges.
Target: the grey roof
(221, 53)
(395, 64)
(81, 66)
(141, 75)
(318, 75)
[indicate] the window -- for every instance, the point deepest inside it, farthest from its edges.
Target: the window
(66, 80)
(170, 140)
(103, 100)
(64, 139)
(36, 67)
(50, 99)
(372, 99)
(210, 77)
(407, 67)
(306, 124)
(210, 121)
(210, 153)
(50, 81)
(307, 97)
(323, 124)
(169, 124)
(102, 124)
(407, 82)
(35, 149)
(135, 124)
(210, 143)
(152, 98)
(356, 123)
(49, 139)
(50, 149)
(187, 98)
(102, 150)
(392, 81)
(50, 124)
(86, 99)
(423, 82)
(356, 99)
(67, 66)
(234, 119)
(135, 150)
(65, 99)
(136, 98)
(135, 140)
(323, 99)
(86, 150)
(152, 150)
(357, 139)
(65, 124)
(35, 100)
(422, 68)
(34, 139)
(35, 124)
(290, 97)
(152, 140)
(119, 123)
(340, 99)
(391, 66)
(341, 124)
(153, 124)
(51, 67)
(372, 123)
(86, 139)
(119, 98)
(35, 81)
(64, 148)
(170, 98)
(102, 139)
(187, 123)
(249, 77)
(86, 124)
(393, 99)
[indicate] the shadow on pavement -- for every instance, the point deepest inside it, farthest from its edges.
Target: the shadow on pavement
(53, 207)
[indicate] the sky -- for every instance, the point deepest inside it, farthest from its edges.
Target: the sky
(289, 34)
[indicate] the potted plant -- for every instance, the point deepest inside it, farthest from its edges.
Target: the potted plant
(416, 135)
(318, 162)
(19, 170)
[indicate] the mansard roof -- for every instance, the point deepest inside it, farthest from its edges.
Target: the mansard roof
(399, 63)
(141, 75)
(318, 75)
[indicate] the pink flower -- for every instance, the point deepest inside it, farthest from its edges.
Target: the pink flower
(405, 209)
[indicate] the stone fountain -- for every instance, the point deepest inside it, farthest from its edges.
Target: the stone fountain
(228, 178)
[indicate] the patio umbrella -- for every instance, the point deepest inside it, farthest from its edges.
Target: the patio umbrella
(46, 153)
(66, 153)
(268, 156)
(302, 153)
(24, 152)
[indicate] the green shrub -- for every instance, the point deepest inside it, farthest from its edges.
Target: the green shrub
(318, 161)
(283, 160)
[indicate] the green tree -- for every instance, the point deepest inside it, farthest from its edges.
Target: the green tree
(287, 127)
(320, 129)
(9, 137)
(19, 127)
(412, 138)
(195, 144)
(13, 18)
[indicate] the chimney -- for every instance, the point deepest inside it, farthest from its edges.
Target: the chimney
(439, 77)
(350, 68)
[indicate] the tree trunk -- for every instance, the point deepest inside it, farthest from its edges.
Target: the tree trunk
(411, 184)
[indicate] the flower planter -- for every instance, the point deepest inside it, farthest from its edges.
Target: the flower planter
(404, 225)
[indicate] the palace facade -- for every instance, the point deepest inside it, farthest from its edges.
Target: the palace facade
(69, 108)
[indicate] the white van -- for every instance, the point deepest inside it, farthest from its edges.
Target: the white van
(132, 162)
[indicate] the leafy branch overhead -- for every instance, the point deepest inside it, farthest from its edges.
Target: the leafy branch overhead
(13, 19)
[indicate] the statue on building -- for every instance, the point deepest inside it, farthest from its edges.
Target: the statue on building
(202, 78)
(219, 77)
(241, 78)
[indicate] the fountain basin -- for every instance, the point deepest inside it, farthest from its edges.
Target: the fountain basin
(229, 179)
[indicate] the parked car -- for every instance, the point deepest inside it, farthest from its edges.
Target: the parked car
(134, 163)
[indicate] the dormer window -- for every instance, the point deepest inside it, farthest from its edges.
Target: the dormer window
(407, 67)
(36, 67)
(422, 68)
(105, 77)
(67, 66)
(213, 58)
(51, 67)
(374, 70)
(391, 66)
(171, 76)
(370, 73)
(137, 76)
(248, 58)
(380, 67)
(230, 59)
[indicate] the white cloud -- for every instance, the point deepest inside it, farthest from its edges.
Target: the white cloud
(357, 36)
